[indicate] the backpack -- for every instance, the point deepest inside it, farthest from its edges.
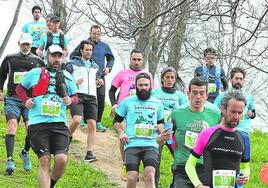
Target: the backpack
(41, 88)
(205, 72)
(50, 40)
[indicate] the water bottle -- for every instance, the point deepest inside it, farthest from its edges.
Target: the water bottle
(169, 125)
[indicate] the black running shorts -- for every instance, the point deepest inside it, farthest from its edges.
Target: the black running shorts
(86, 106)
(49, 138)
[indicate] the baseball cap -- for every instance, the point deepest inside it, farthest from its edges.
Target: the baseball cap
(54, 48)
(55, 18)
(25, 38)
(142, 75)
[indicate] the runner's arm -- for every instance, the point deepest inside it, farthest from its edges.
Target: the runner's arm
(245, 169)
(191, 171)
(21, 93)
(3, 72)
(224, 80)
(74, 99)
(112, 97)
(75, 53)
(117, 123)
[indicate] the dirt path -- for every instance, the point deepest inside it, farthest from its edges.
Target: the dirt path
(109, 160)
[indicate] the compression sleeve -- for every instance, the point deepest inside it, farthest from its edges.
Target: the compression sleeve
(112, 92)
(191, 171)
(244, 168)
(117, 118)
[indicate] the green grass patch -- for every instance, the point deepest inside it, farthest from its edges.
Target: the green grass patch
(78, 174)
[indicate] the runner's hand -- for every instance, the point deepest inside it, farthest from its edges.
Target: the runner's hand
(242, 180)
(40, 53)
(124, 139)
(1, 96)
(29, 103)
(113, 109)
(201, 186)
(106, 70)
(79, 81)
(250, 113)
(67, 100)
(159, 128)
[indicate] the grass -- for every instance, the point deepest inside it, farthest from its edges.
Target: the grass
(79, 174)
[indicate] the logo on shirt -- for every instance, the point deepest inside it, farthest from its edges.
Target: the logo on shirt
(229, 138)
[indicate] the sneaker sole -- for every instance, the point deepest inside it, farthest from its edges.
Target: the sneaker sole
(90, 160)
(9, 171)
(102, 131)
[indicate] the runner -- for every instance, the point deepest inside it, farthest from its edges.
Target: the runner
(54, 37)
(237, 77)
(85, 74)
(104, 57)
(47, 130)
(225, 150)
(125, 81)
(171, 99)
(144, 118)
(213, 74)
(15, 66)
(188, 122)
(35, 28)
(264, 174)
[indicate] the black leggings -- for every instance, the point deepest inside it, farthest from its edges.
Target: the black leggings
(101, 100)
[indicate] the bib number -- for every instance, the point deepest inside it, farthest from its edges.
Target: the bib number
(144, 131)
(224, 178)
(212, 88)
(50, 108)
(190, 139)
(18, 77)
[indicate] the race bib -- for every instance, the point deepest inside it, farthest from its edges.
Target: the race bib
(144, 131)
(18, 77)
(224, 178)
(50, 108)
(166, 114)
(190, 139)
(212, 88)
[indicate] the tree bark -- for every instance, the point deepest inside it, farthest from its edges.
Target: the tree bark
(11, 28)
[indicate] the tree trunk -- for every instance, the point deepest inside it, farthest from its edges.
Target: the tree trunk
(60, 10)
(11, 28)
(178, 38)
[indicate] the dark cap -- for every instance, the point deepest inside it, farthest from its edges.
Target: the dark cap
(142, 75)
(55, 19)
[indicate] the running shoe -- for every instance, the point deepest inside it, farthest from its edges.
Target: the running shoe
(89, 158)
(27, 165)
(124, 173)
(100, 127)
(10, 166)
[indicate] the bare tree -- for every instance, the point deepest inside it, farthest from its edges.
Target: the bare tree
(11, 28)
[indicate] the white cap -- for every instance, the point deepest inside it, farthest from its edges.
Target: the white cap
(55, 48)
(25, 38)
